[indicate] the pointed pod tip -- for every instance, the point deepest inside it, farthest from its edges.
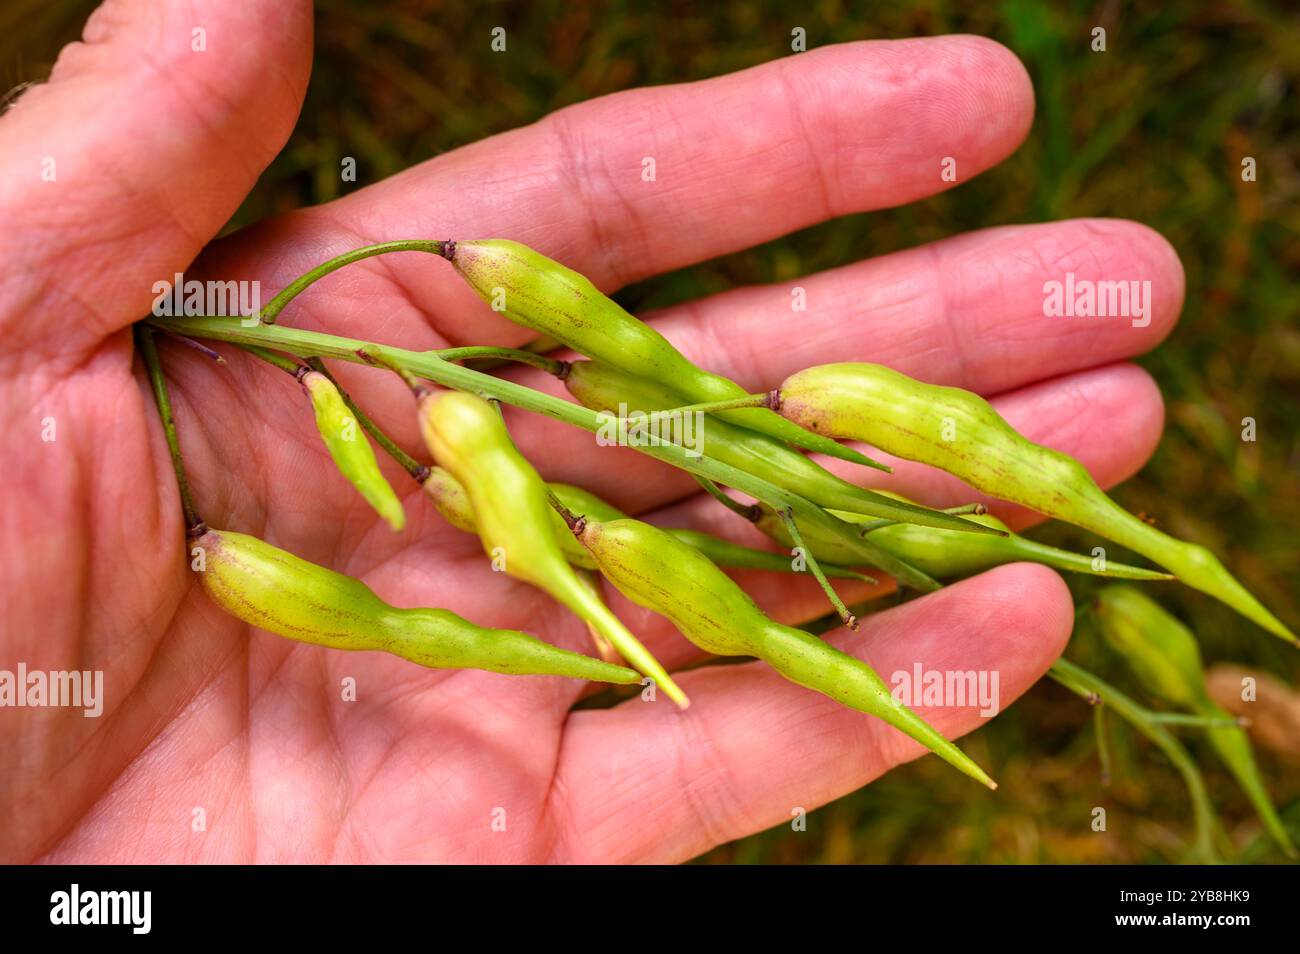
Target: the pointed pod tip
(682, 701)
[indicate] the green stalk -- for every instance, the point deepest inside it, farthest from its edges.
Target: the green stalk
(747, 511)
(291, 291)
(1085, 684)
(194, 525)
(792, 528)
(1195, 721)
(551, 366)
(709, 407)
(275, 360)
(867, 526)
(1103, 740)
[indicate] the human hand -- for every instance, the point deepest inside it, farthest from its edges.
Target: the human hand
(154, 147)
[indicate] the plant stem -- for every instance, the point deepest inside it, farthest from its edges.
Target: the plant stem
(194, 525)
(198, 346)
(749, 400)
(428, 364)
(792, 528)
(574, 521)
(976, 509)
(552, 366)
(749, 511)
(1085, 684)
(1103, 744)
(1195, 721)
(287, 294)
(278, 360)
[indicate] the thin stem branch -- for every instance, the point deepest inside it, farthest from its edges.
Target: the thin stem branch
(278, 360)
(1195, 721)
(1103, 742)
(749, 511)
(792, 528)
(731, 404)
(194, 525)
(419, 472)
(575, 521)
(271, 312)
(1085, 684)
(974, 509)
(198, 346)
(552, 366)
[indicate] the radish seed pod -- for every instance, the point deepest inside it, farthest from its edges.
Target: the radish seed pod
(946, 555)
(349, 449)
(512, 514)
(1165, 657)
(602, 387)
(908, 418)
(453, 503)
(540, 293)
(276, 591)
(657, 571)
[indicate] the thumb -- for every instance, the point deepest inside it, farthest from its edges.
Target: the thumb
(143, 143)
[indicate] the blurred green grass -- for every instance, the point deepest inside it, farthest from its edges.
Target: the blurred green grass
(1152, 130)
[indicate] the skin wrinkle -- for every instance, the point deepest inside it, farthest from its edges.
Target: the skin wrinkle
(947, 319)
(821, 172)
(567, 842)
(694, 745)
(151, 193)
(1067, 259)
(332, 742)
(138, 762)
(573, 164)
(44, 348)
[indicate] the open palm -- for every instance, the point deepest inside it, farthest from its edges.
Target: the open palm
(222, 743)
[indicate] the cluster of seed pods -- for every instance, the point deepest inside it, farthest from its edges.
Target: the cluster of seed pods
(550, 535)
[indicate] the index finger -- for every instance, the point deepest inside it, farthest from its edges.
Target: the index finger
(650, 180)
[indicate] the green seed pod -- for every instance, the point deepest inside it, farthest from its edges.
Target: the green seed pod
(584, 503)
(604, 388)
(453, 503)
(540, 293)
(1161, 651)
(1233, 748)
(657, 571)
(946, 555)
(961, 433)
(733, 555)
(274, 590)
(513, 516)
(451, 500)
(350, 450)
(1165, 657)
